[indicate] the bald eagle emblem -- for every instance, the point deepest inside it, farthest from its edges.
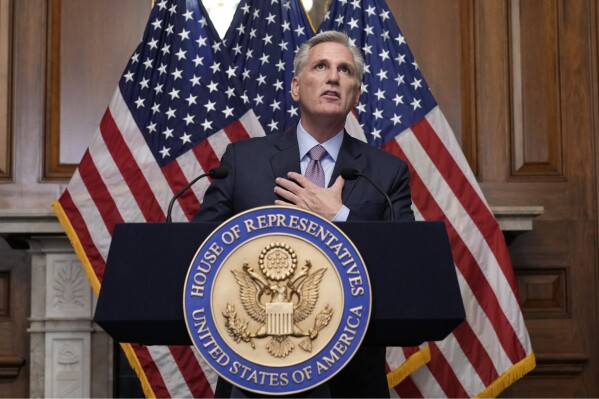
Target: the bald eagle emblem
(278, 299)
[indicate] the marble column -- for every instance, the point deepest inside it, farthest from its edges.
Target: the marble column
(70, 356)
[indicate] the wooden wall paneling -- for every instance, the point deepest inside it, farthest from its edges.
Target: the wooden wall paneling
(536, 131)
(89, 45)
(579, 155)
(543, 292)
(552, 165)
(6, 148)
(53, 168)
(15, 286)
(594, 17)
(441, 36)
(492, 95)
(532, 130)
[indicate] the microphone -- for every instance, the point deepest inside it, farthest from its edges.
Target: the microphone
(215, 173)
(353, 174)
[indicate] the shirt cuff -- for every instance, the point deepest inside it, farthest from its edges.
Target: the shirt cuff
(342, 215)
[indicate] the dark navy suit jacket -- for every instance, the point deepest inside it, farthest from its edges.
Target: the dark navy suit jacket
(253, 166)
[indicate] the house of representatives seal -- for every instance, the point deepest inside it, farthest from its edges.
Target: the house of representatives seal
(277, 300)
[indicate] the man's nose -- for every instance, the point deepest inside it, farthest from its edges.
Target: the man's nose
(333, 76)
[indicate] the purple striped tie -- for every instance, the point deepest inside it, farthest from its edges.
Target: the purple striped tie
(314, 171)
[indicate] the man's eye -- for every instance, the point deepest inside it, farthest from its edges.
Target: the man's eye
(320, 66)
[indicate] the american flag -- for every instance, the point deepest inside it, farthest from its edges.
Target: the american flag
(398, 113)
(177, 106)
(262, 40)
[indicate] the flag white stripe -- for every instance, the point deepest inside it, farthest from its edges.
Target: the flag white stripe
(426, 383)
(481, 325)
(191, 169)
(440, 125)
(170, 372)
(353, 128)
(417, 214)
(395, 357)
(90, 213)
(252, 126)
(463, 369)
(219, 142)
(110, 174)
(140, 151)
(209, 373)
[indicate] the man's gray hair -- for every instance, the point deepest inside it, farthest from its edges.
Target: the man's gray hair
(301, 57)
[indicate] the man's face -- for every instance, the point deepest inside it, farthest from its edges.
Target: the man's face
(327, 86)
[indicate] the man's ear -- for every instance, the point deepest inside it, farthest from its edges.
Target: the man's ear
(295, 88)
(357, 101)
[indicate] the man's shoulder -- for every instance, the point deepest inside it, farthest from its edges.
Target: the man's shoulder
(372, 151)
(270, 140)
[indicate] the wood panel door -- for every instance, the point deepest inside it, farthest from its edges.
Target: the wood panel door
(15, 291)
(517, 81)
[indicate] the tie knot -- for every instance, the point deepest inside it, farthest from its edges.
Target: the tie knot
(317, 152)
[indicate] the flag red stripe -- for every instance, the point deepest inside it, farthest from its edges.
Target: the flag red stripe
(444, 374)
(409, 350)
(473, 349)
(235, 131)
(467, 195)
(408, 389)
(467, 265)
(99, 192)
(206, 155)
(177, 180)
(96, 261)
(151, 371)
(192, 371)
(132, 174)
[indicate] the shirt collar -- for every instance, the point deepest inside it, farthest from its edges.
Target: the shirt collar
(305, 142)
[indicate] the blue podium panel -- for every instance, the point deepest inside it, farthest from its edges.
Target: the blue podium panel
(416, 297)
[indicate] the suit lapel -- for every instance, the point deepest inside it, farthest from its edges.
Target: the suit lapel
(286, 154)
(350, 156)
(285, 158)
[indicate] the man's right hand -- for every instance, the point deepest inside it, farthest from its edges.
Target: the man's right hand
(298, 190)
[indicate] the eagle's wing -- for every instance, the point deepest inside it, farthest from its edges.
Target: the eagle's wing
(308, 295)
(248, 293)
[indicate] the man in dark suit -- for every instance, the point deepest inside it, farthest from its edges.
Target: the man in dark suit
(270, 170)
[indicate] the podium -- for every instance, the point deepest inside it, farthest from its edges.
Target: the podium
(415, 293)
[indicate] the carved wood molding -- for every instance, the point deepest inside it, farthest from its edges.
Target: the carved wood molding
(536, 90)
(6, 134)
(10, 366)
(560, 364)
(53, 168)
(516, 219)
(29, 221)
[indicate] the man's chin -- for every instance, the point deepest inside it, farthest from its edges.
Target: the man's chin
(332, 111)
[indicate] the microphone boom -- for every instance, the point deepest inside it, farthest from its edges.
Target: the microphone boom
(353, 174)
(215, 173)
